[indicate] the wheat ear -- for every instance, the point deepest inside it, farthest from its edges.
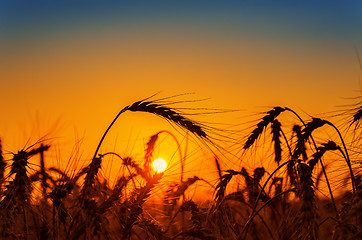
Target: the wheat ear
(2, 168)
(308, 223)
(276, 130)
(300, 148)
(154, 108)
(266, 120)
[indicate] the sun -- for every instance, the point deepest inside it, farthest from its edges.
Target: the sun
(159, 165)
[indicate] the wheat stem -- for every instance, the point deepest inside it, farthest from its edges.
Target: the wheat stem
(261, 208)
(348, 161)
(321, 162)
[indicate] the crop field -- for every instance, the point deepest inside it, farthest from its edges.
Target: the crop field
(306, 184)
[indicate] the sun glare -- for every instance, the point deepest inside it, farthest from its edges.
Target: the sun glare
(159, 165)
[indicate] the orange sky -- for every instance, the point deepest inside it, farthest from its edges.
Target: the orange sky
(79, 77)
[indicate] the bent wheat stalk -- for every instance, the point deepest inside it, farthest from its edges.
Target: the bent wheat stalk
(346, 156)
(151, 145)
(158, 109)
(307, 132)
(266, 182)
(251, 218)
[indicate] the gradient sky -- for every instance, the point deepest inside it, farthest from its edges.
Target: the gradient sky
(74, 64)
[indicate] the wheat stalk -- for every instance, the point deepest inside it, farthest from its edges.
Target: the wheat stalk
(18, 192)
(308, 225)
(300, 148)
(151, 107)
(2, 168)
(177, 190)
(150, 148)
(135, 204)
(252, 216)
(115, 195)
(305, 134)
(330, 146)
(345, 155)
(221, 186)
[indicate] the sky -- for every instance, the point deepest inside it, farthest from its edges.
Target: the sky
(68, 67)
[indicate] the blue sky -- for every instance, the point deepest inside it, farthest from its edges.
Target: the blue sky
(340, 20)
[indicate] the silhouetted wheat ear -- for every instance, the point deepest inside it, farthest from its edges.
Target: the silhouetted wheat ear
(196, 216)
(258, 174)
(169, 114)
(18, 191)
(142, 172)
(357, 116)
(276, 130)
(356, 119)
(278, 185)
(252, 184)
(91, 173)
(175, 191)
(300, 147)
(266, 120)
(44, 174)
(306, 133)
(330, 146)
(2, 166)
(182, 187)
(20, 188)
(137, 200)
(308, 225)
(292, 173)
(115, 195)
(311, 126)
(221, 186)
(16, 195)
(149, 150)
(159, 110)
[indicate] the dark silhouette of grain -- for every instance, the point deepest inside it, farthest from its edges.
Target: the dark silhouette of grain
(276, 130)
(266, 120)
(282, 198)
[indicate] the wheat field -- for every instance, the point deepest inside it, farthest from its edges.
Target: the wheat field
(294, 193)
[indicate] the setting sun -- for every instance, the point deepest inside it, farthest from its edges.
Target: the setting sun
(159, 165)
